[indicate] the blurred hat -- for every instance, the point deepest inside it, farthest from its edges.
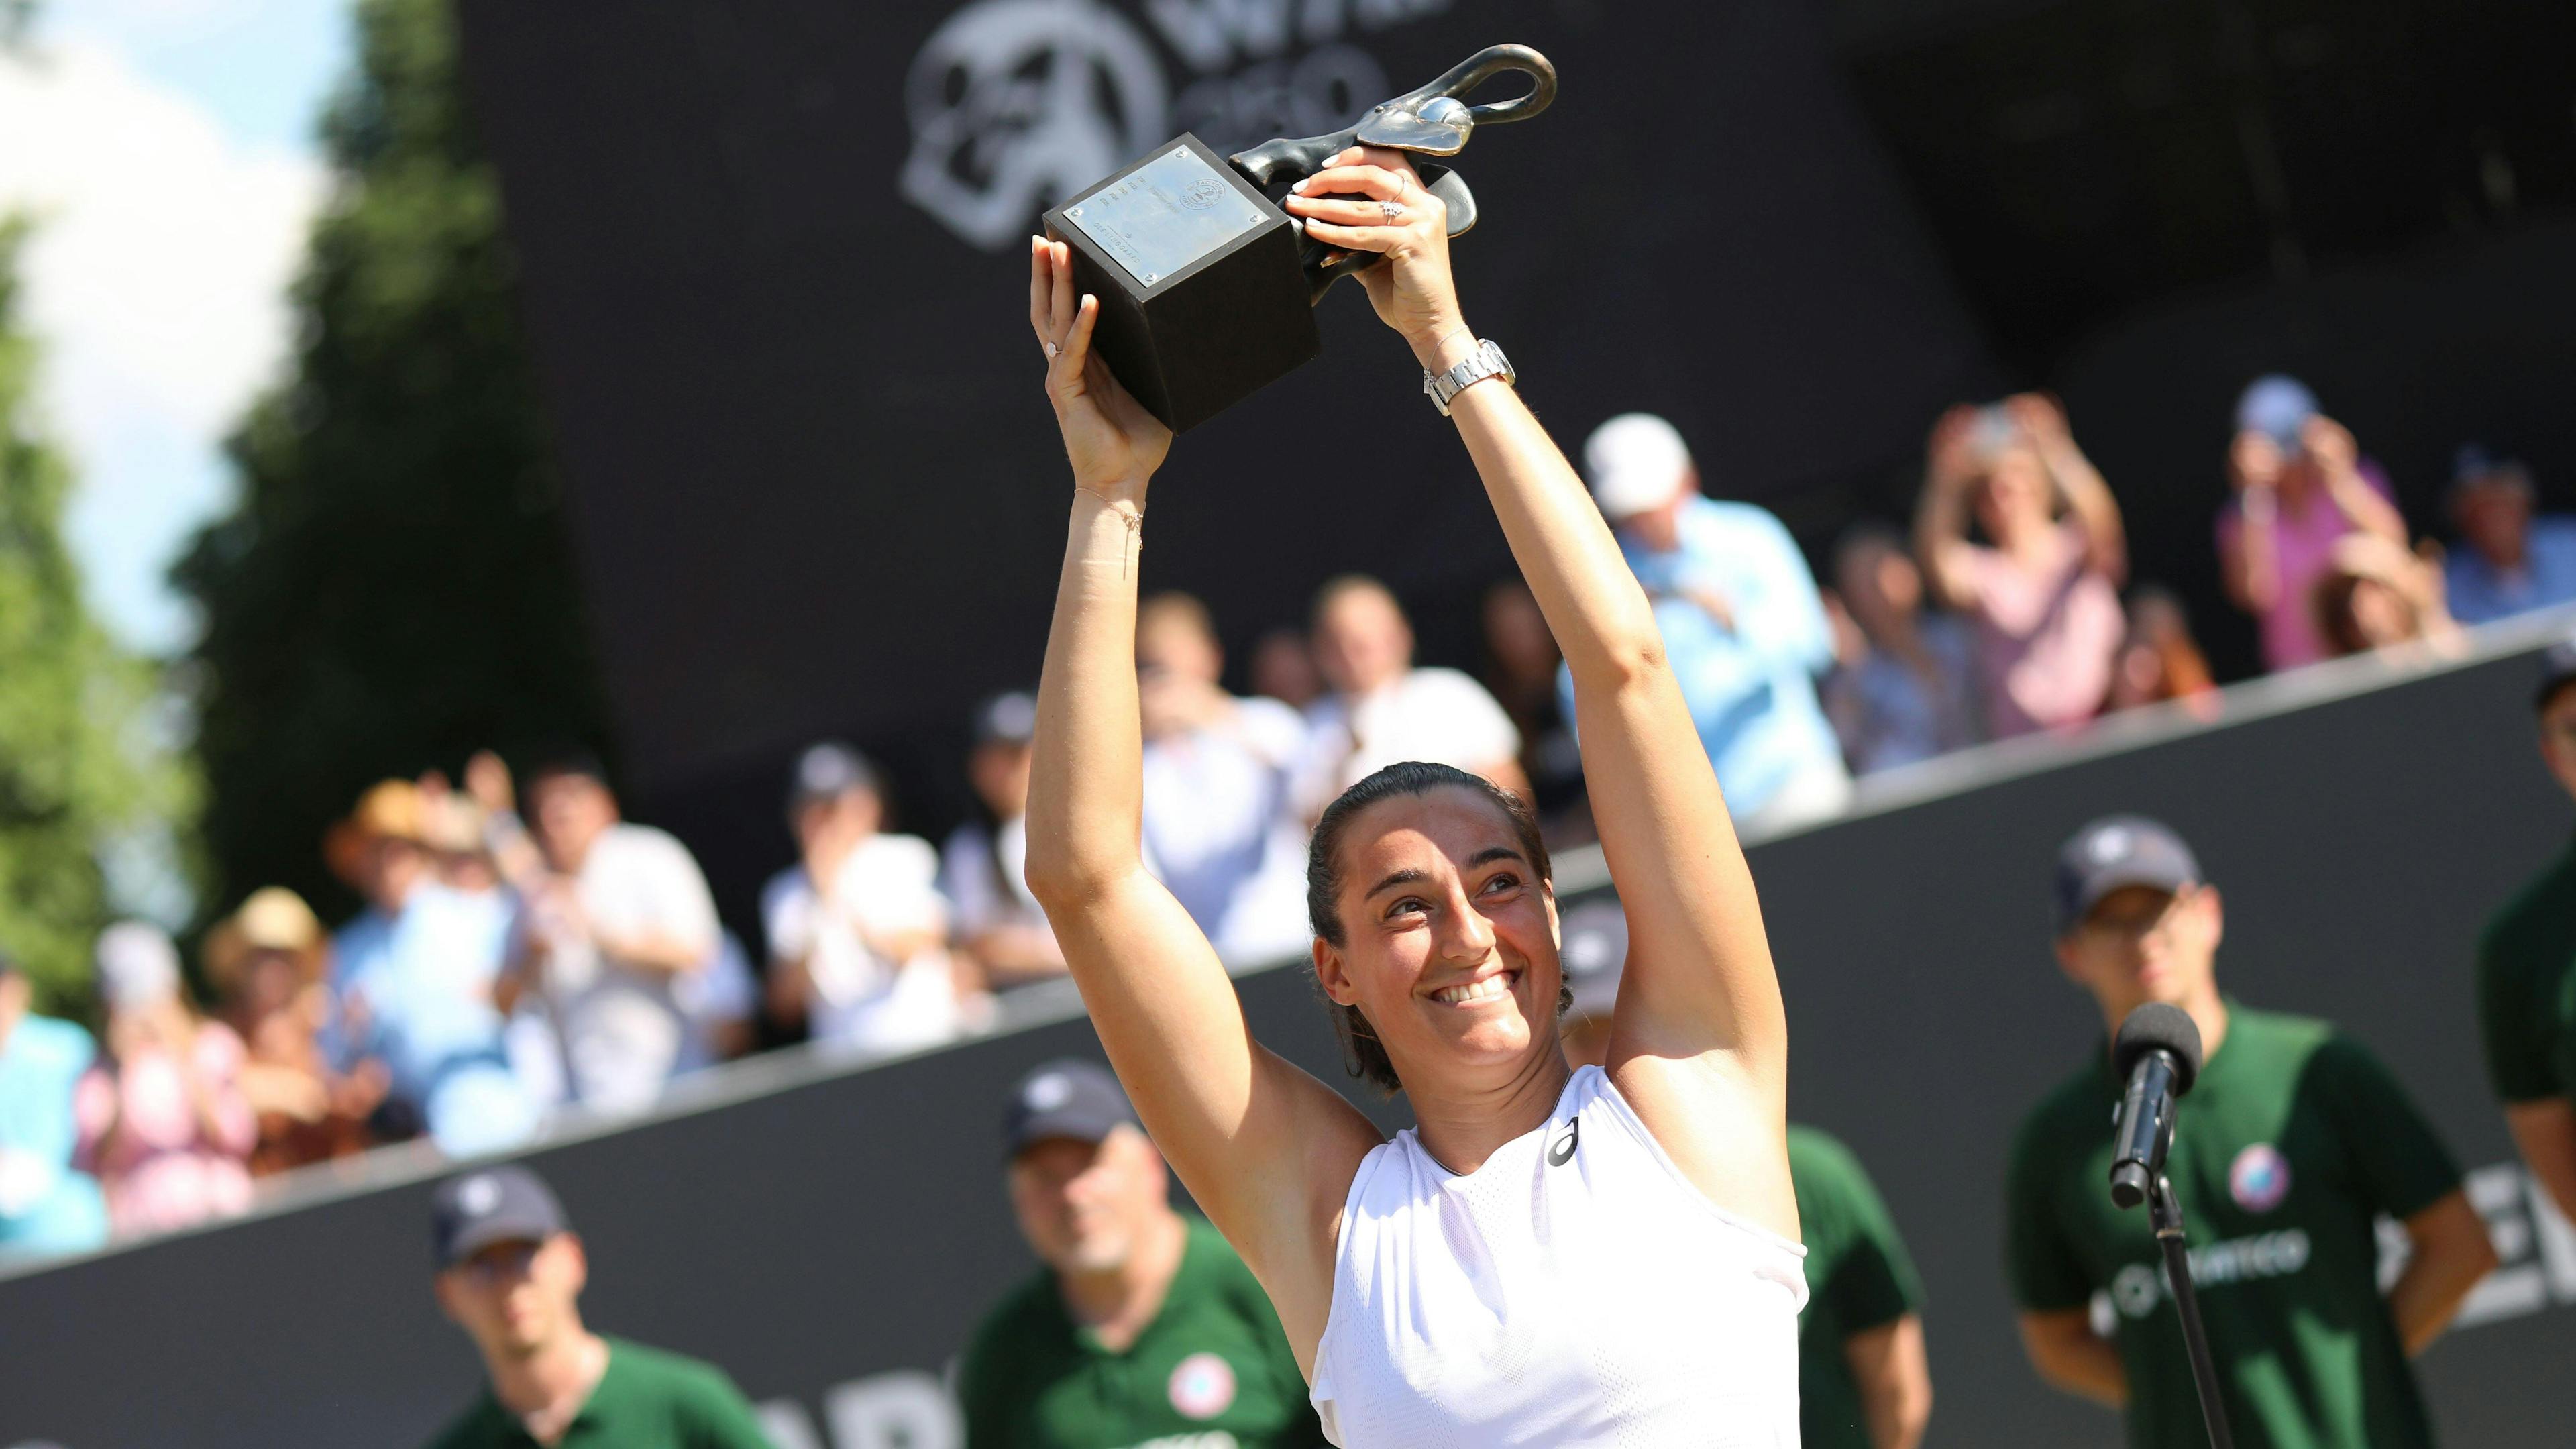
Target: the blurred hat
(2276, 406)
(2476, 463)
(1594, 955)
(2557, 670)
(2114, 853)
(271, 918)
(1068, 1098)
(452, 824)
(137, 965)
(1635, 462)
(389, 810)
(828, 771)
(1007, 719)
(506, 1204)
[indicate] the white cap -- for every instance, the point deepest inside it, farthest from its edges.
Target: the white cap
(1636, 462)
(137, 965)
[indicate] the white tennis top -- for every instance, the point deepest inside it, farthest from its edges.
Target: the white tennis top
(1575, 1289)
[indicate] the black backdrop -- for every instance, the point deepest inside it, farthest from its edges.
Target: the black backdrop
(817, 487)
(830, 1242)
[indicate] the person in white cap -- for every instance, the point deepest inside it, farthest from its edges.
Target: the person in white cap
(1740, 618)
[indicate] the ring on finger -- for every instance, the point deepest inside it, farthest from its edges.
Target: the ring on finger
(1393, 211)
(1051, 348)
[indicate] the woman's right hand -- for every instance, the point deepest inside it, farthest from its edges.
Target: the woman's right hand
(1113, 443)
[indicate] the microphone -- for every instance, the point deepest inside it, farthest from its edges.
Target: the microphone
(2158, 1053)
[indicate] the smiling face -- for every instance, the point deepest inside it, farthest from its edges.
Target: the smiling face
(2140, 944)
(1448, 938)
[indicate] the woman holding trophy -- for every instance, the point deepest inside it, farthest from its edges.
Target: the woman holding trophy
(1553, 1256)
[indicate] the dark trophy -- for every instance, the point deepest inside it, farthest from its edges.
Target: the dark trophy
(1208, 290)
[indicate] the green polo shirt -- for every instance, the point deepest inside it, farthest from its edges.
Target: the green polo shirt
(2291, 1144)
(1211, 1371)
(646, 1399)
(2526, 971)
(1858, 1278)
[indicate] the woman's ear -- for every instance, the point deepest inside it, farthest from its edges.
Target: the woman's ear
(1330, 975)
(1555, 924)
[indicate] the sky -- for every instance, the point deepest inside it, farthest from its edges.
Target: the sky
(166, 151)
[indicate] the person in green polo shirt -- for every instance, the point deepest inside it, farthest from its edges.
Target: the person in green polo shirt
(1863, 1379)
(509, 1272)
(2290, 1146)
(1143, 1330)
(2527, 974)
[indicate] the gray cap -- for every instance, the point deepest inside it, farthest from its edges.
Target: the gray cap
(506, 1204)
(1007, 719)
(2116, 852)
(1068, 1098)
(2557, 670)
(2276, 406)
(828, 771)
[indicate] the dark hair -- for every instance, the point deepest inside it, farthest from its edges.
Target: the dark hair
(1366, 1055)
(564, 760)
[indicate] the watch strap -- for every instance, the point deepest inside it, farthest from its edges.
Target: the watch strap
(1486, 361)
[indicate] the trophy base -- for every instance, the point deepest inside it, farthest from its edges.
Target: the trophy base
(1202, 298)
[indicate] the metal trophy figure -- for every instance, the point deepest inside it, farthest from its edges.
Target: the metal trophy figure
(1207, 289)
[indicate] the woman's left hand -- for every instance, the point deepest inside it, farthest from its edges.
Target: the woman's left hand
(1369, 199)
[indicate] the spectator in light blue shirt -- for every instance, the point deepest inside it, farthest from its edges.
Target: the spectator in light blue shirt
(415, 971)
(45, 1206)
(2507, 562)
(1740, 619)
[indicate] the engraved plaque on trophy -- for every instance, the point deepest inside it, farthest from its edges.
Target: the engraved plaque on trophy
(1202, 301)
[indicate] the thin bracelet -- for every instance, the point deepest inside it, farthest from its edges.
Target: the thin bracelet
(1135, 526)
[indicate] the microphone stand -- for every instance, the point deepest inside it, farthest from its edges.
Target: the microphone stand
(2164, 1213)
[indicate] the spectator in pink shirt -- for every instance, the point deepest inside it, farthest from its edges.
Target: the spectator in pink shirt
(2044, 589)
(163, 1123)
(2300, 485)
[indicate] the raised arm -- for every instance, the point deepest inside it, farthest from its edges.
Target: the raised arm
(2087, 496)
(2248, 554)
(1699, 1042)
(1267, 1150)
(1941, 512)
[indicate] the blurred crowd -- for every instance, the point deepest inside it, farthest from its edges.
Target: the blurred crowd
(523, 949)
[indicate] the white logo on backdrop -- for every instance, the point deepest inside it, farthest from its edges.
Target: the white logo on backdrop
(1016, 104)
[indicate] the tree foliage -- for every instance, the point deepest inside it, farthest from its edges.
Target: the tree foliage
(79, 770)
(393, 588)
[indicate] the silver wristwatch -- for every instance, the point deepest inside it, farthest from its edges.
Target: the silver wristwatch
(1486, 361)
